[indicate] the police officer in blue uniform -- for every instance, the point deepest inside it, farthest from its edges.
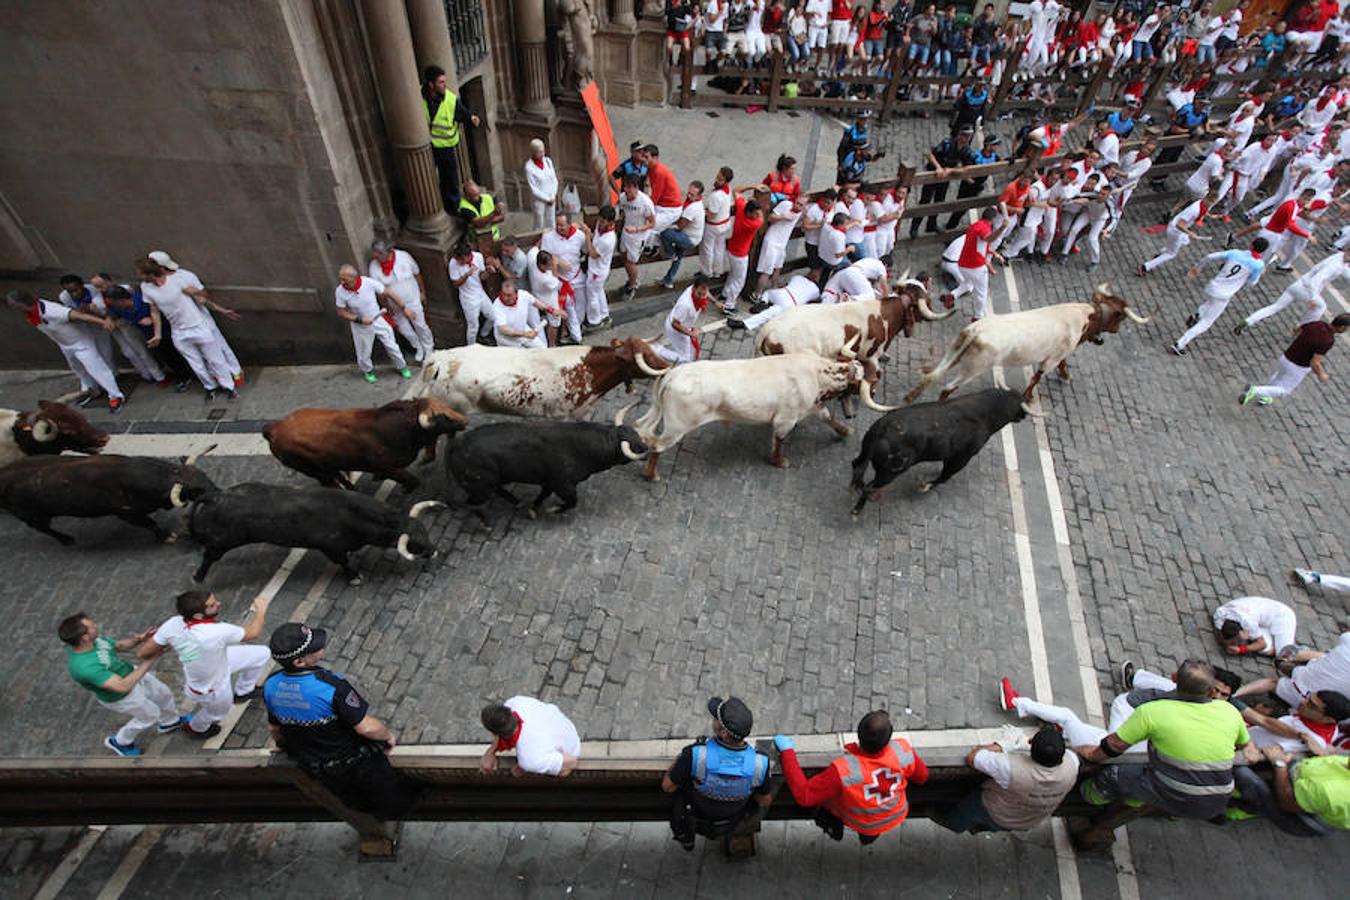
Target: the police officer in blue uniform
(974, 187)
(715, 780)
(321, 722)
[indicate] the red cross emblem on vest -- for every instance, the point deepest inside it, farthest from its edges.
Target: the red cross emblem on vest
(884, 783)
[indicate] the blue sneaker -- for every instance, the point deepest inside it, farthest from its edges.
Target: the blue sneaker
(121, 749)
(173, 726)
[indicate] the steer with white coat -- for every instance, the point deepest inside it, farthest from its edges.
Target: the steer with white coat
(1043, 338)
(555, 382)
(769, 390)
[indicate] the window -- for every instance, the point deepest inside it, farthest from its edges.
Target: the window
(467, 34)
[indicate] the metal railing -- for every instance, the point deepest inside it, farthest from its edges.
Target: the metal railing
(467, 34)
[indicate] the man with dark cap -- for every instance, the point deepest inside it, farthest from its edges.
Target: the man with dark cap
(1022, 791)
(716, 779)
(318, 719)
(952, 152)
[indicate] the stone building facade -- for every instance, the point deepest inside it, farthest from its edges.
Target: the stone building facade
(263, 143)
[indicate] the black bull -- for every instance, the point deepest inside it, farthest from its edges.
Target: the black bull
(336, 523)
(950, 432)
(554, 455)
(41, 488)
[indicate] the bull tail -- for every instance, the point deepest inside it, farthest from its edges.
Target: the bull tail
(958, 349)
(861, 460)
(650, 421)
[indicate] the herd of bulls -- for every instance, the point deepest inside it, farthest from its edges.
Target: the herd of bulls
(804, 359)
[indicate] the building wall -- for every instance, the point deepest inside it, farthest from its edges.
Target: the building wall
(189, 127)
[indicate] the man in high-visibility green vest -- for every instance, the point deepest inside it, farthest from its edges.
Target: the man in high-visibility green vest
(446, 113)
(481, 212)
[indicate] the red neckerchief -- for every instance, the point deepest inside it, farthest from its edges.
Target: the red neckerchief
(537, 162)
(34, 315)
(388, 267)
(510, 743)
(568, 236)
(1254, 254)
(840, 230)
(699, 305)
(1325, 730)
(1322, 102)
(190, 622)
(357, 288)
(1200, 219)
(726, 189)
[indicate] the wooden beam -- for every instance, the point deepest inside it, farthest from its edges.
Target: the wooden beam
(775, 80)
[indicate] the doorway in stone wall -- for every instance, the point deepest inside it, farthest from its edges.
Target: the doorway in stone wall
(475, 164)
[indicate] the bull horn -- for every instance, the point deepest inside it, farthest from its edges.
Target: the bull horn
(419, 508)
(424, 419)
(904, 276)
(623, 414)
(1104, 288)
(43, 431)
(865, 391)
(641, 360)
(403, 548)
(176, 495)
(1135, 317)
(850, 348)
(1026, 408)
(927, 311)
(191, 460)
(627, 450)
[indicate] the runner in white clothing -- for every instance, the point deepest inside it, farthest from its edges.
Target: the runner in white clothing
(466, 267)
(1306, 292)
(600, 244)
(852, 283)
(798, 291)
(773, 245)
(207, 306)
(542, 180)
(220, 668)
(76, 294)
(358, 301)
(712, 249)
(544, 740)
(639, 219)
(1237, 269)
(548, 290)
(177, 297)
(1254, 625)
(396, 269)
(681, 325)
(567, 243)
(515, 318)
(73, 333)
(1182, 228)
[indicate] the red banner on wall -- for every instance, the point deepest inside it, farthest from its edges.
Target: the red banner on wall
(604, 132)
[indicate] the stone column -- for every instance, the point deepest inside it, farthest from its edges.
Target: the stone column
(530, 42)
(405, 116)
(623, 14)
(431, 36)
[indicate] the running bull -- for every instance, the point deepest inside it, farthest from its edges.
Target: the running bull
(1043, 338)
(769, 390)
(335, 523)
(557, 456)
(556, 383)
(51, 429)
(326, 443)
(949, 432)
(40, 488)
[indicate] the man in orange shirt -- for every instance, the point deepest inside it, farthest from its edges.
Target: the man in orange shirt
(664, 191)
(1012, 203)
(865, 789)
(746, 222)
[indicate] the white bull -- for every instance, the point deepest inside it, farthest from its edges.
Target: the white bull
(1043, 338)
(777, 391)
(555, 382)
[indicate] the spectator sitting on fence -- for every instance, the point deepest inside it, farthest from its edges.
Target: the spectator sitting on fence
(545, 740)
(1023, 790)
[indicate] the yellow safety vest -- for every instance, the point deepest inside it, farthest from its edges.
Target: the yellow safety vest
(444, 128)
(486, 206)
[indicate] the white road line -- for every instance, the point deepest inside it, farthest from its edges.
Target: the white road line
(65, 869)
(1126, 882)
(186, 444)
(131, 863)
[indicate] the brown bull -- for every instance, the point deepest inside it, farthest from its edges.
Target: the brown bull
(50, 429)
(326, 443)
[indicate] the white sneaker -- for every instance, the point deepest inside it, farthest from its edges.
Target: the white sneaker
(1308, 576)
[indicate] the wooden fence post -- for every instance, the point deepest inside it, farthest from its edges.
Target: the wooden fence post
(1089, 96)
(1151, 92)
(775, 80)
(378, 839)
(1005, 84)
(888, 99)
(687, 78)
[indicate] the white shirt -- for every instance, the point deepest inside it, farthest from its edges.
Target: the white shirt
(1326, 673)
(1187, 216)
(778, 233)
(472, 288)
(873, 268)
(1328, 270)
(833, 245)
(603, 244)
(637, 211)
(848, 284)
(1230, 28)
(521, 317)
(1256, 615)
(1133, 167)
(545, 286)
(715, 17)
(402, 279)
(696, 217)
(683, 311)
(545, 735)
(1109, 147)
(201, 648)
(94, 298)
(952, 252)
(1215, 28)
(814, 214)
(717, 210)
(56, 324)
(1252, 160)
(184, 314)
(543, 180)
(1315, 120)
(1147, 28)
(801, 290)
(818, 12)
(1208, 171)
(568, 249)
(362, 301)
(857, 212)
(1037, 194)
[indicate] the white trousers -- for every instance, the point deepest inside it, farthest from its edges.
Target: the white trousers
(976, 283)
(576, 307)
(712, 250)
(225, 349)
(1284, 380)
(1290, 249)
(1209, 313)
(1092, 241)
(1173, 245)
(1023, 238)
(131, 341)
(1076, 732)
(1334, 582)
(1037, 55)
(1049, 225)
(666, 216)
(205, 356)
(737, 267)
(1313, 307)
(92, 369)
(869, 245)
(544, 214)
(148, 703)
(417, 333)
(952, 269)
(363, 338)
(475, 310)
(1280, 195)
(680, 348)
(779, 300)
(247, 662)
(597, 302)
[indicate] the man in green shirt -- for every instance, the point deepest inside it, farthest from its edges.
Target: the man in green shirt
(1191, 738)
(1311, 797)
(94, 665)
